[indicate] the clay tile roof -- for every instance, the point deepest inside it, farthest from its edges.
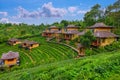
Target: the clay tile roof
(58, 32)
(99, 25)
(30, 42)
(81, 33)
(104, 34)
(13, 39)
(71, 32)
(10, 55)
(53, 31)
(72, 26)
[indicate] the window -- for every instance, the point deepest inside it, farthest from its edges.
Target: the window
(10, 59)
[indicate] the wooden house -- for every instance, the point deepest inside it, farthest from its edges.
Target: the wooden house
(14, 41)
(59, 35)
(29, 44)
(71, 32)
(50, 32)
(10, 58)
(45, 33)
(81, 50)
(103, 34)
(100, 27)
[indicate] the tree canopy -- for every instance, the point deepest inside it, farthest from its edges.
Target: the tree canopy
(87, 39)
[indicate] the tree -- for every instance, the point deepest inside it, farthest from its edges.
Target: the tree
(94, 15)
(65, 22)
(87, 39)
(112, 16)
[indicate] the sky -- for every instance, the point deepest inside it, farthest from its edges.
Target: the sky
(46, 11)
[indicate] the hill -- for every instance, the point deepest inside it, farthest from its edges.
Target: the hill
(45, 53)
(104, 66)
(19, 31)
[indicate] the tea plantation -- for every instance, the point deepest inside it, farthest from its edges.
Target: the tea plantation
(104, 66)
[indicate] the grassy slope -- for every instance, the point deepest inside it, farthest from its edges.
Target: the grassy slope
(15, 31)
(105, 66)
(45, 53)
(102, 66)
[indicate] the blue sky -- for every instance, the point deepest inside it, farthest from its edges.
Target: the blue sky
(46, 11)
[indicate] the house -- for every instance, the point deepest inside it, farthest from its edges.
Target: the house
(59, 35)
(29, 44)
(14, 41)
(81, 50)
(50, 32)
(71, 32)
(103, 34)
(45, 33)
(10, 58)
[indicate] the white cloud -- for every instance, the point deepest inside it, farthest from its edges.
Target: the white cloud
(6, 20)
(4, 13)
(47, 10)
(82, 11)
(23, 13)
(72, 9)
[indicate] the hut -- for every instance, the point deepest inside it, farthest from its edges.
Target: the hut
(100, 27)
(103, 34)
(14, 41)
(72, 27)
(50, 32)
(29, 44)
(59, 35)
(81, 50)
(10, 58)
(45, 33)
(71, 32)
(104, 38)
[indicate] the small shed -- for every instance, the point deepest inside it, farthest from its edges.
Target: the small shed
(14, 41)
(10, 58)
(29, 44)
(81, 50)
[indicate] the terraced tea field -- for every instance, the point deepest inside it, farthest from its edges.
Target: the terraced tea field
(45, 53)
(104, 66)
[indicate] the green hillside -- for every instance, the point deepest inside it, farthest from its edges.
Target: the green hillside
(105, 66)
(8, 31)
(45, 53)
(51, 61)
